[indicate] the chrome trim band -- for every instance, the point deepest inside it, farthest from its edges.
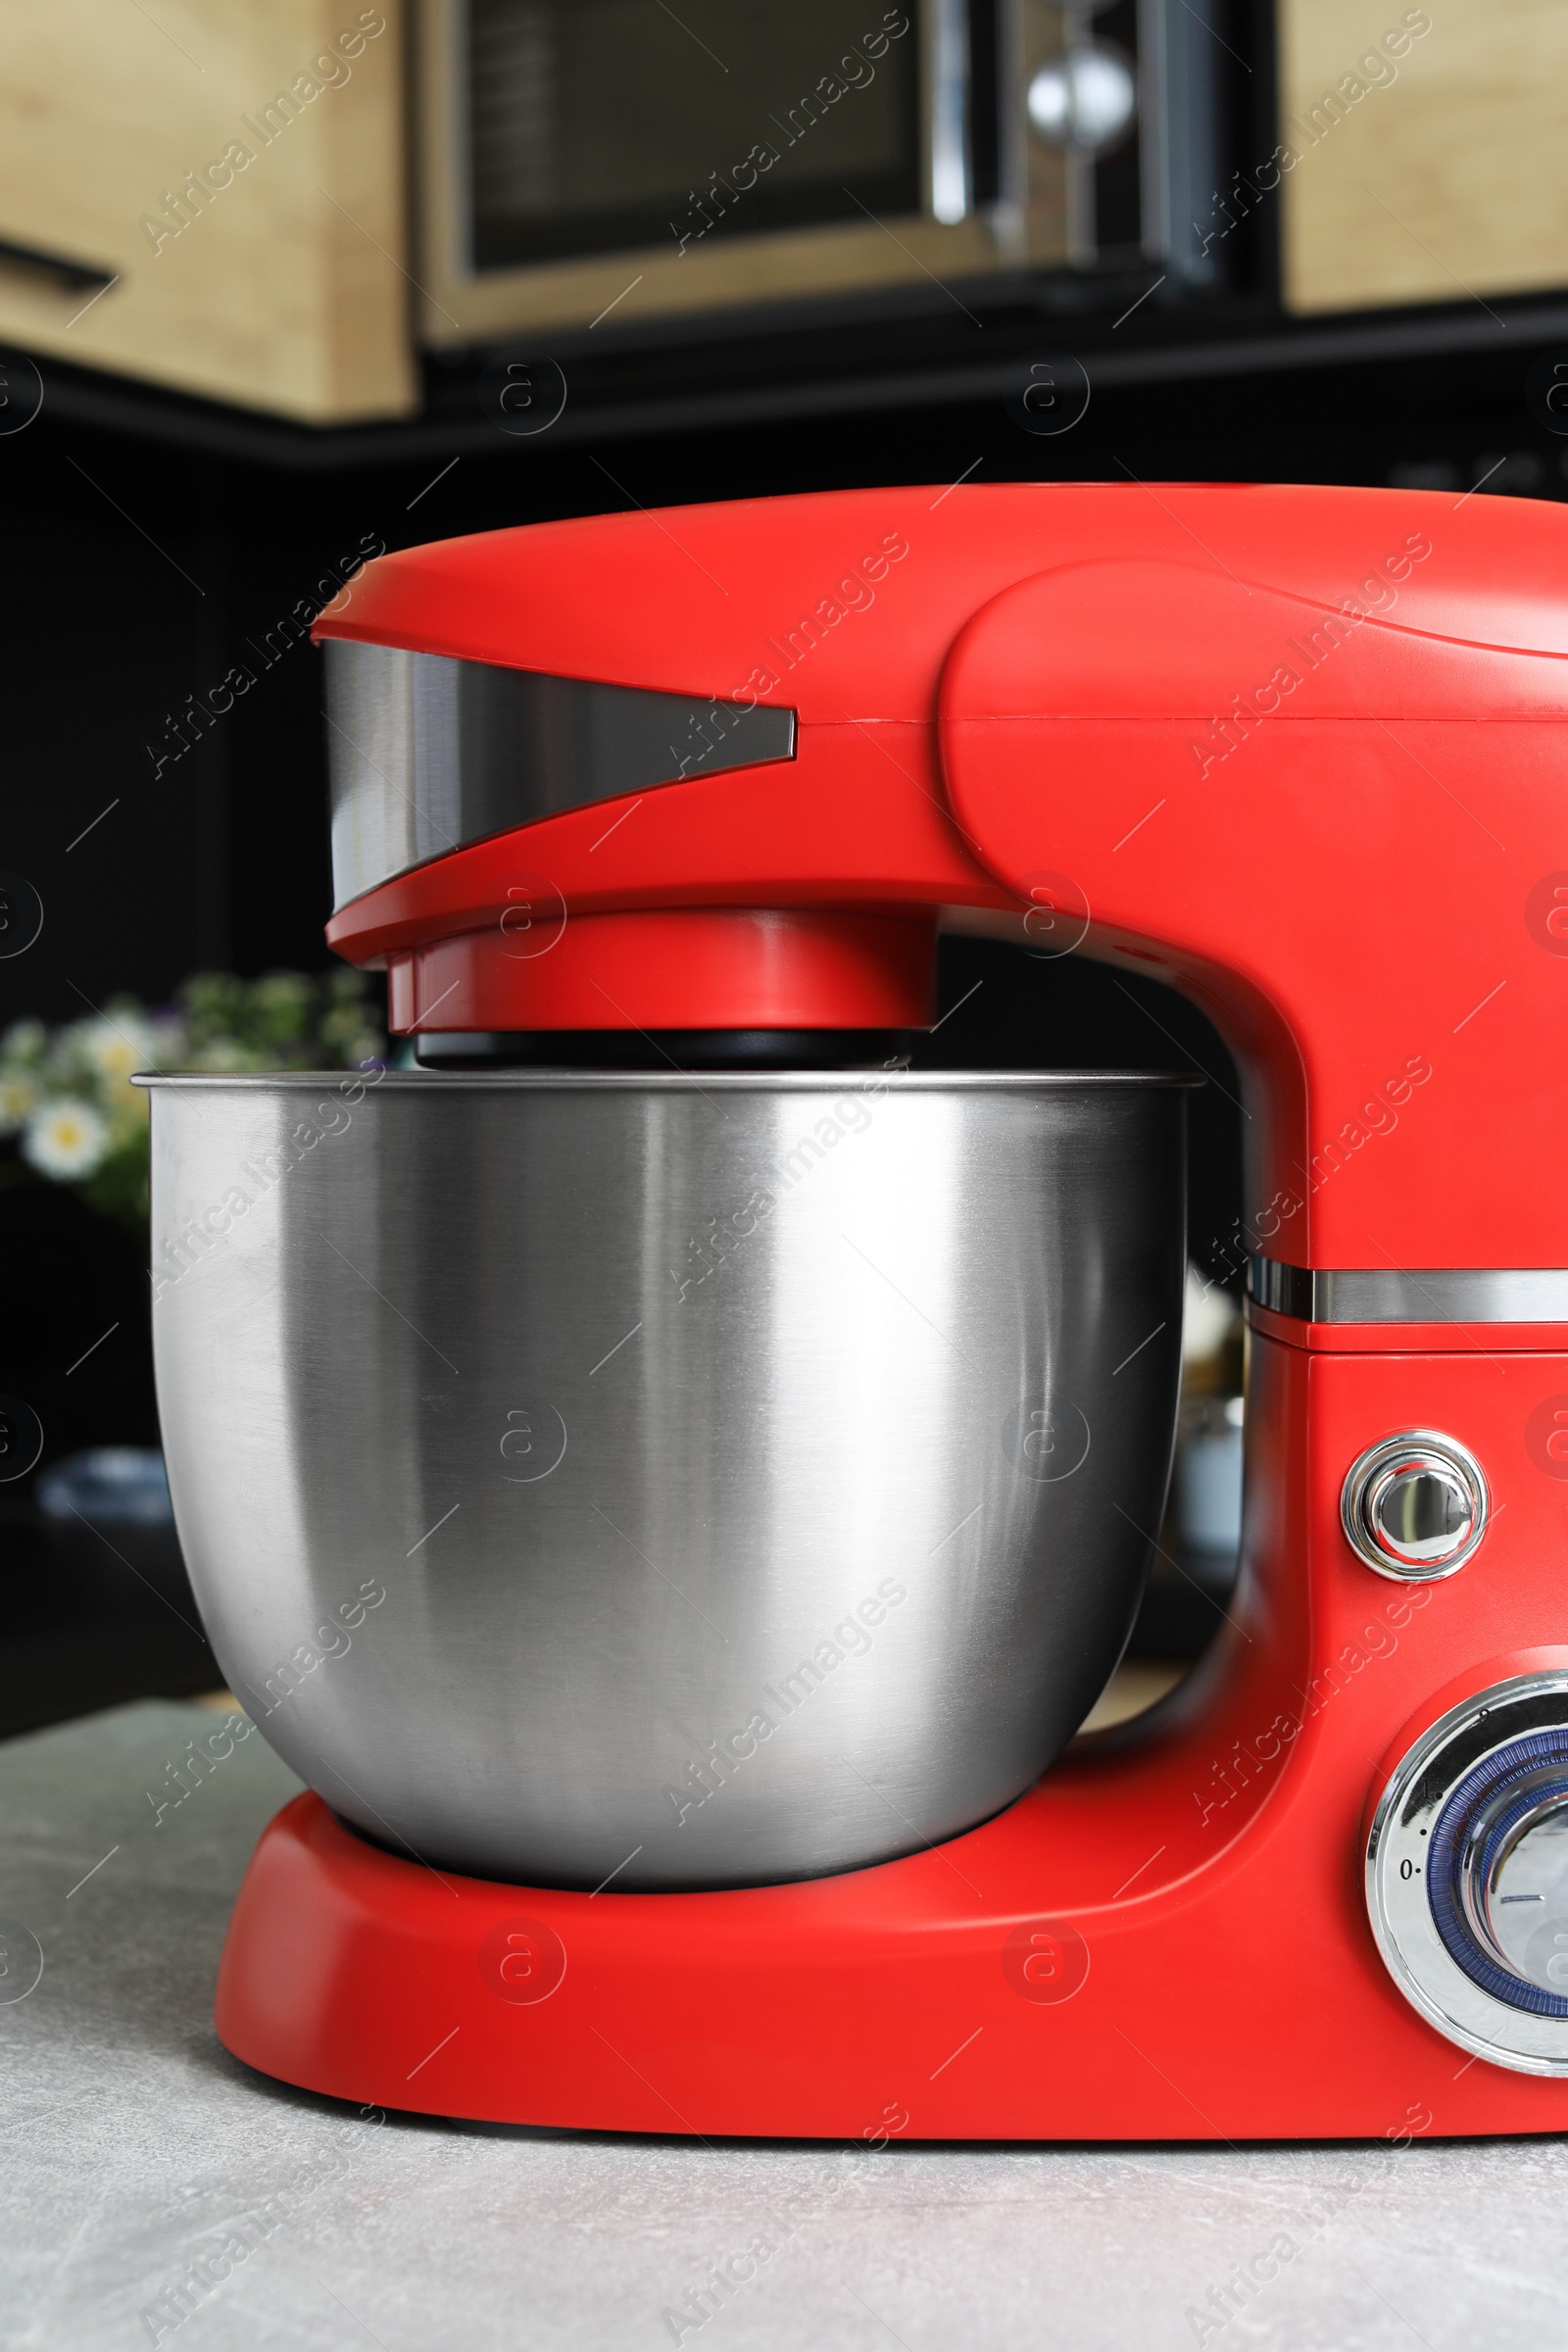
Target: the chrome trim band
(1400, 1295)
(428, 753)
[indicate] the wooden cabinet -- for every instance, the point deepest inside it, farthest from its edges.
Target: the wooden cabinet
(235, 168)
(1431, 146)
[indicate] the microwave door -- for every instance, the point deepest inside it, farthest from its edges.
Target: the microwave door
(612, 126)
(663, 157)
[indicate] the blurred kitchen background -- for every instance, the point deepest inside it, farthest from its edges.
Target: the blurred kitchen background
(286, 282)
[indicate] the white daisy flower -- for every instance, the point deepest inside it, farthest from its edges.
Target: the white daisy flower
(66, 1138)
(114, 1048)
(24, 1041)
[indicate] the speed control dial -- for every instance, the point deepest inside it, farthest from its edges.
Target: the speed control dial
(1467, 1875)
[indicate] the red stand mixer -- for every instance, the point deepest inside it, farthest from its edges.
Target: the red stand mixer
(1300, 754)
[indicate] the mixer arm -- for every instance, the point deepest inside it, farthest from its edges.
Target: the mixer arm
(1333, 831)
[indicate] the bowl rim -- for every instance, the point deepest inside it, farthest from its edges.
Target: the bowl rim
(566, 1080)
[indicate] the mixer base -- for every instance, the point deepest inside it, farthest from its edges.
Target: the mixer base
(929, 1997)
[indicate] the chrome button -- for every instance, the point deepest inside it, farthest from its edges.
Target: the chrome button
(1419, 1511)
(1414, 1506)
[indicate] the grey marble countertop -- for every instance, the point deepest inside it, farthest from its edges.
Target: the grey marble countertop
(135, 2149)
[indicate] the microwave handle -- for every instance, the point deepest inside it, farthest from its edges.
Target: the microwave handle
(951, 193)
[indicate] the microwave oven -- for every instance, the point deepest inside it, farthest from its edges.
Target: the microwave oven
(588, 162)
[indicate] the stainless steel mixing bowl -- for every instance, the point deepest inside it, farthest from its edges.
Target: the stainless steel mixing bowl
(663, 1481)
